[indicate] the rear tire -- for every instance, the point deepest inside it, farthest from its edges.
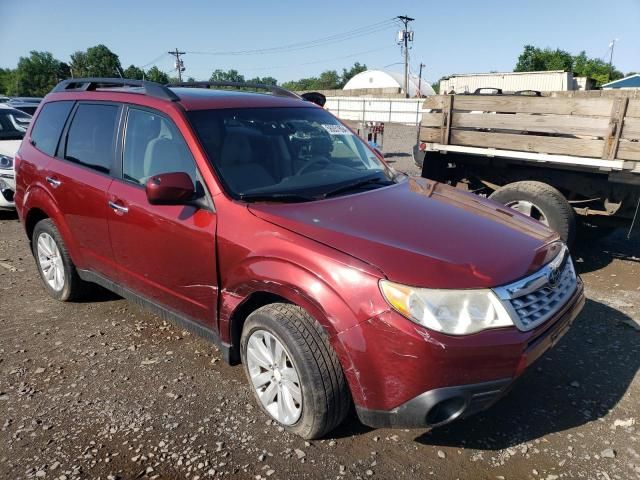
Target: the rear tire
(57, 271)
(546, 200)
(325, 397)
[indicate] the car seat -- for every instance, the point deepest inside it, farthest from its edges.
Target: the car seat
(237, 164)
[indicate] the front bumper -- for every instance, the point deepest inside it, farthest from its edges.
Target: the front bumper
(445, 378)
(7, 189)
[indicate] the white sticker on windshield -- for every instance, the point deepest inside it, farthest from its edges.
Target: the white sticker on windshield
(336, 129)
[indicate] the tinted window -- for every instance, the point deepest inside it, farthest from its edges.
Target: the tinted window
(13, 124)
(91, 136)
(29, 110)
(153, 145)
(49, 124)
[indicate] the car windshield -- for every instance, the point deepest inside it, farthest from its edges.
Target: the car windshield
(13, 124)
(287, 154)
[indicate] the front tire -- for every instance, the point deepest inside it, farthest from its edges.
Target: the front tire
(541, 202)
(57, 271)
(294, 373)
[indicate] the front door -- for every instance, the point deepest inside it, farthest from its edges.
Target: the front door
(166, 253)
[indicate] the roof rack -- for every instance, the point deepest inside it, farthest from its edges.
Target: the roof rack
(89, 84)
(274, 89)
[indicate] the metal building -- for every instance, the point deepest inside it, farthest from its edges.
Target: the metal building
(551, 81)
(388, 82)
(630, 82)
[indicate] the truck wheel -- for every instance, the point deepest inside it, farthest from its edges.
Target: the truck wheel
(294, 373)
(542, 202)
(56, 269)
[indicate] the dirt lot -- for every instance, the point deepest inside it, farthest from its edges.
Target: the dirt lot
(104, 390)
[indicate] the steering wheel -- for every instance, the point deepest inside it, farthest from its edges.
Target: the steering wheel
(321, 160)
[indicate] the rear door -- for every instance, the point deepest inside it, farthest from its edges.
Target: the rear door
(79, 177)
(164, 252)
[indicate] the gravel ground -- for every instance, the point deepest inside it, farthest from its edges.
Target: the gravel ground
(397, 145)
(101, 389)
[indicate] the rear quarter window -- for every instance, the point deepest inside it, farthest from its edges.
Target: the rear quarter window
(48, 126)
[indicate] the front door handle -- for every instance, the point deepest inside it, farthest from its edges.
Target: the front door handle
(54, 182)
(118, 208)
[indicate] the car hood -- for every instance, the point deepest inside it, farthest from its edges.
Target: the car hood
(9, 147)
(423, 233)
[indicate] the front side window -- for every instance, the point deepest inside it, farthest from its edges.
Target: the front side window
(153, 146)
(91, 136)
(45, 133)
(303, 153)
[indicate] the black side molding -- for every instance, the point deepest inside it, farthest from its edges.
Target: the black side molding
(166, 314)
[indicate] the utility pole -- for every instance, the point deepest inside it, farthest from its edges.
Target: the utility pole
(611, 45)
(420, 80)
(405, 38)
(179, 63)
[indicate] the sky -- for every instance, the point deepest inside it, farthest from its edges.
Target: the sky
(464, 36)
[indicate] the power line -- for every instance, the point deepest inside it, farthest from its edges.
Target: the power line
(154, 61)
(322, 61)
(420, 80)
(179, 63)
(339, 37)
(406, 37)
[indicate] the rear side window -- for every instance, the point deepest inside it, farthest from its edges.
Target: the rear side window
(49, 124)
(91, 136)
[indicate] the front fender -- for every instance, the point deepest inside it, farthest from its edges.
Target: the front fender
(337, 309)
(337, 305)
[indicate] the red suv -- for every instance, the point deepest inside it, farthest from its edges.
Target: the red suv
(264, 224)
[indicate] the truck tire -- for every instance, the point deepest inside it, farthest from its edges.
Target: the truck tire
(292, 370)
(542, 202)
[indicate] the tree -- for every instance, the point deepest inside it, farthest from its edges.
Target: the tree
(302, 84)
(228, 76)
(156, 75)
(134, 73)
(534, 59)
(263, 80)
(97, 61)
(595, 68)
(328, 80)
(37, 74)
(6, 80)
(352, 72)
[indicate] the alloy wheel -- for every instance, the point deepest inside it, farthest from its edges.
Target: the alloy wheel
(274, 377)
(50, 261)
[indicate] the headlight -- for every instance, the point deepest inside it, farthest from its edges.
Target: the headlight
(455, 312)
(6, 162)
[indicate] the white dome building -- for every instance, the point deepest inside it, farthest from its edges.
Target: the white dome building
(390, 80)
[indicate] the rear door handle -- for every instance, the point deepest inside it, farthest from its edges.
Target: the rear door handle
(118, 208)
(54, 182)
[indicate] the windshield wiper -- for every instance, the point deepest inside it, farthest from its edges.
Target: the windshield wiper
(275, 197)
(357, 184)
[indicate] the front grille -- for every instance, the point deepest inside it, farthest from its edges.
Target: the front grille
(533, 300)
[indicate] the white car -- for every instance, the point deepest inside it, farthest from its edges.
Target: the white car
(13, 125)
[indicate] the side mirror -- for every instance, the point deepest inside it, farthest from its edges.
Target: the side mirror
(315, 97)
(169, 189)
